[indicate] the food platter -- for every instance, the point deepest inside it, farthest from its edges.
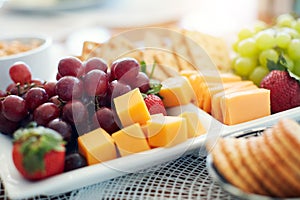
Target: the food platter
(17, 187)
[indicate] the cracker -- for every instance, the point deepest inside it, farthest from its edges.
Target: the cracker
(246, 162)
(234, 157)
(223, 165)
(276, 167)
(261, 169)
(289, 171)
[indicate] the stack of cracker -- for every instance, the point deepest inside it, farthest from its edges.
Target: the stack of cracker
(170, 50)
(266, 165)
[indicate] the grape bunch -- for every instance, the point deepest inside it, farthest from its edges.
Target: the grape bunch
(80, 100)
(259, 49)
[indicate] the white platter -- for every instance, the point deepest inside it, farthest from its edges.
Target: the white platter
(18, 188)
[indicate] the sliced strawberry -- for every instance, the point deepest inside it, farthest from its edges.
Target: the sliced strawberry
(155, 104)
(38, 152)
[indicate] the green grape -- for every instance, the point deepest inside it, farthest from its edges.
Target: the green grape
(269, 54)
(293, 33)
(243, 66)
(247, 47)
(285, 20)
(296, 25)
(245, 33)
(296, 69)
(258, 74)
(283, 39)
(294, 49)
(265, 39)
(235, 46)
(259, 26)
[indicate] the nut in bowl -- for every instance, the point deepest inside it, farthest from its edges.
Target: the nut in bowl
(33, 50)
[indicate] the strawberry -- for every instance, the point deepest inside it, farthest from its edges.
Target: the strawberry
(285, 90)
(155, 104)
(38, 152)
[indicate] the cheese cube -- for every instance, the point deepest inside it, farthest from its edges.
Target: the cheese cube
(167, 131)
(216, 108)
(130, 139)
(131, 108)
(194, 126)
(176, 91)
(244, 106)
(97, 146)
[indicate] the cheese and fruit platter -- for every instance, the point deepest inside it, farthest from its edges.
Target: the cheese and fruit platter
(149, 96)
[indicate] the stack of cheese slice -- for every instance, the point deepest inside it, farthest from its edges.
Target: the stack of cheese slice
(266, 165)
(228, 98)
(139, 132)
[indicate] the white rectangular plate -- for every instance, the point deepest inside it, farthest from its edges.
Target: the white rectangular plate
(17, 187)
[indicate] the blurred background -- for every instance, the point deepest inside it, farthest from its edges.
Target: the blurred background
(70, 22)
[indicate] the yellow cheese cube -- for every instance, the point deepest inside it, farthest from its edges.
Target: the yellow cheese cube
(167, 131)
(244, 106)
(97, 146)
(131, 108)
(176, 91)
(145, 126)
(194, 126)
(130, 139)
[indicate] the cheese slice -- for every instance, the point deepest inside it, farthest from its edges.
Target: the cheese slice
(176, 91)
(97, 146)
(131, 108)
(245, 105)
(130, 139)
(167, 131)
(194, 126)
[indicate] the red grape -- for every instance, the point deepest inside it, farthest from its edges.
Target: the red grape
(95, 82)
(7, 127)
(20, 72)
(141, 81)
(125, 68)
(70, 66)
(116, 89)
(14, 108)
(69, 87)
(74, 112)
(46, 112)
(104, 118)
(74, 161)
(58, 76)
(62, 127)
(3, 93)
(35, 97)
(95, 63)
(37, 82)
(50, 88)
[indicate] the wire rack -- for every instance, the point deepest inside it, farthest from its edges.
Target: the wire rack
(184, 178)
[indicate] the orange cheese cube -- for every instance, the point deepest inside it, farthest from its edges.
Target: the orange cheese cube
(245, 105)
(130, 139)
(194, 126)
(97, 146)
(167, 131)
(176, 91)
(216, 109)
(131, 108)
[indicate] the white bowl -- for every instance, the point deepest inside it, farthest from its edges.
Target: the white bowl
(37, 58)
